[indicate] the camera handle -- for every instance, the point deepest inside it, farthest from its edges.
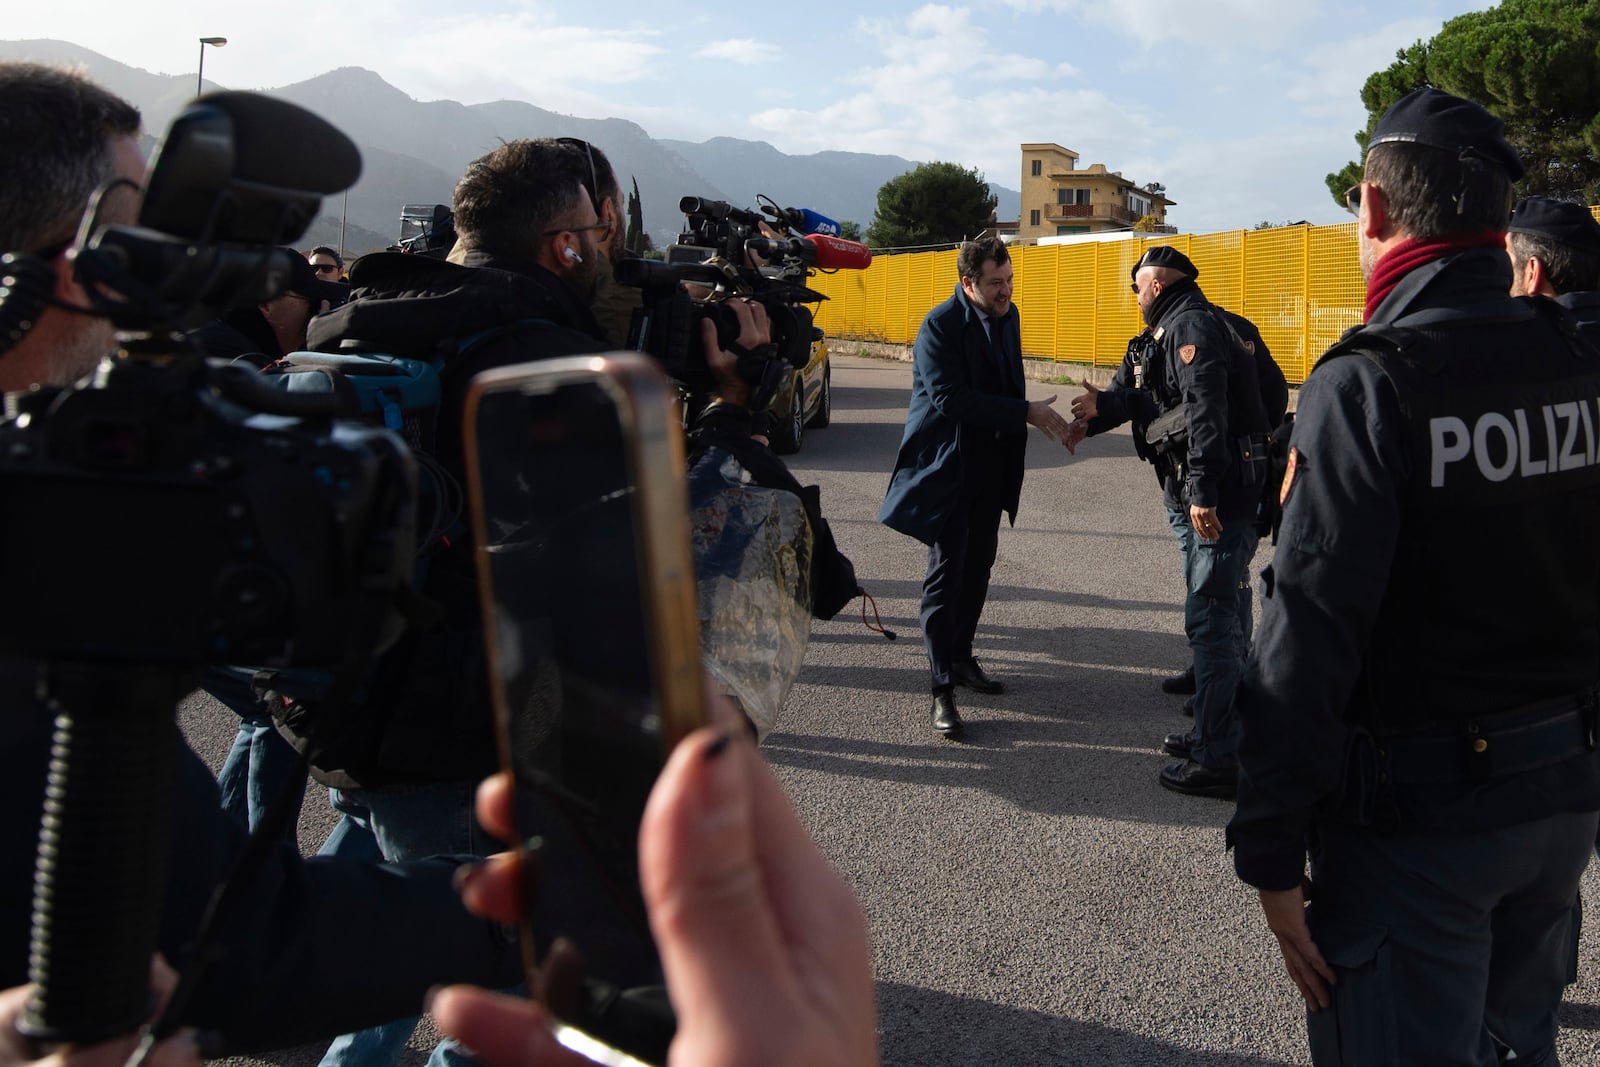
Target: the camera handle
(104, 843)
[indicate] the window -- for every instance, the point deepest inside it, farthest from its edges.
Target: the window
(1038, 167)
(1033, 218)
(1072, 196)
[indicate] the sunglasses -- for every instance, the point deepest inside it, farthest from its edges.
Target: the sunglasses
(1352, 199)
(593, 184)
(574, 229)
(325, 268)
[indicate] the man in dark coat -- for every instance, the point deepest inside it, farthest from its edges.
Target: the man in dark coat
(960, 461)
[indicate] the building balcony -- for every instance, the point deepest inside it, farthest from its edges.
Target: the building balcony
(1102, 212)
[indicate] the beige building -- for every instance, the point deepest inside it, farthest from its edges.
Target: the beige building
(1060, 198)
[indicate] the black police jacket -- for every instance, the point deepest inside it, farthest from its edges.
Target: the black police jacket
(1195, 362)
(1585, 310)
(430, 715)
(1437, 576)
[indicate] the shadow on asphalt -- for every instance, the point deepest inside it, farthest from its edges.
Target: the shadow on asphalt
(1580, 1016)
(911, 590)
(920, 1026)
(1045, 767)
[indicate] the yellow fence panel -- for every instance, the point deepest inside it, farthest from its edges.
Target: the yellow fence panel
(1075, 314)
(1035, 295)
(1300, 285)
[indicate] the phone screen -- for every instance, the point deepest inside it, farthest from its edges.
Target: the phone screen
(575, 476)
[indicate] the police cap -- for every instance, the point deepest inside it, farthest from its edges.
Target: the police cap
(1458, 126)
(1166, 256)
(1560, 221)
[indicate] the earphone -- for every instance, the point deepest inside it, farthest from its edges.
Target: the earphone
(570, 254)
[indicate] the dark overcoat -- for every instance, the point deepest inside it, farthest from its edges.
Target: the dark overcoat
(962, 385)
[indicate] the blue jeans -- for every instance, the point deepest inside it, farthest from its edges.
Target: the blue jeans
(402, 822)
(261, 766)
(1216, 619)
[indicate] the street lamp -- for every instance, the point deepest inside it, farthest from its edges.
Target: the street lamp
(199, 78)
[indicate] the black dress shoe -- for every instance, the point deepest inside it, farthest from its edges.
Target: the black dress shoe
(1197, 781)
(1188, 707)
(1179, 745)
(967, 672)
(945, 717)
(1179, 684)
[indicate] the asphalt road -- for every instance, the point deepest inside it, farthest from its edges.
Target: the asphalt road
(1034, 896)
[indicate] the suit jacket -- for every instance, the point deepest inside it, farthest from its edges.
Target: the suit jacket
(967, 411)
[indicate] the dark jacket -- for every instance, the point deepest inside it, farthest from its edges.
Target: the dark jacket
(314, 949)
(431, 717)
(966, 401)
(1424, 588)
(242, 332)
(1197, 362)
(1585, 309)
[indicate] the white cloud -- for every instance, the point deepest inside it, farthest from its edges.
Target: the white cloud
(1224, 24)
(746, 51)
(937, 90)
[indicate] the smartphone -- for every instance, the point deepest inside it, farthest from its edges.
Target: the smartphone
(579, 507)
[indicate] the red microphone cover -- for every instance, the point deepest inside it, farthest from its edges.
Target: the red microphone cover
(835, 253)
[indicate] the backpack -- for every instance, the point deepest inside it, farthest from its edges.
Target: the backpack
(1274, 389)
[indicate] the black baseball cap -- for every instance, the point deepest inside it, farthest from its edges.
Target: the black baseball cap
(1165, 256)
(1560, 221)
(1457, 126)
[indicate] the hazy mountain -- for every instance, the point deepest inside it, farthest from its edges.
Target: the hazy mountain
(413, 151)
(840, 185)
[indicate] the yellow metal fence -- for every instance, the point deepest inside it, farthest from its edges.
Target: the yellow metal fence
(1300, 285)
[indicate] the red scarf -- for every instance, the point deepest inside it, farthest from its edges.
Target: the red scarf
(1412, 253)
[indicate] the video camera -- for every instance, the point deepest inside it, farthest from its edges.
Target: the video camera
(726, 251)
(163, 514)
(426, 230)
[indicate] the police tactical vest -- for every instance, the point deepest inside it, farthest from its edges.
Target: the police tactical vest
(1493, 600)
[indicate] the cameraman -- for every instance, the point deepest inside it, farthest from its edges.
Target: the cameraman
(528, 250)
(311, 950)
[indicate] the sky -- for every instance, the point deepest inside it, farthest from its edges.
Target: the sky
(1239, 107)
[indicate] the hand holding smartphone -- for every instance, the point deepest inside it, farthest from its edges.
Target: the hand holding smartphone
(576, 486)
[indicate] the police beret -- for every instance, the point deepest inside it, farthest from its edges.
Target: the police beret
(1166, 256)
(1559, 220)
(1440, 120)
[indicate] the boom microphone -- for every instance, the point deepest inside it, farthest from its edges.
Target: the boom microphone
(811, 222)
(814, 250)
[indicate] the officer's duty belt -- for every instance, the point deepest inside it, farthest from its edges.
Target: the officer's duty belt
(1511, 743)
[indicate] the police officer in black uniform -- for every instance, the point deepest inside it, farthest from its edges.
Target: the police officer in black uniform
(1554, 247)
(1192, 393)
(1419, 707)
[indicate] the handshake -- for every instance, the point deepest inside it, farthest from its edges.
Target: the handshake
(1042, 414)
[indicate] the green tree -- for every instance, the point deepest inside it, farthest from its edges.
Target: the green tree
(850, 230)
(936, 203)
(635, 239)
(1535, 64)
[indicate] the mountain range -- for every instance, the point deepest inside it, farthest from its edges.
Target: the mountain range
(413, 151)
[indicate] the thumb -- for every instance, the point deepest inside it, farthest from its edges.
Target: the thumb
(1090, 387)
(1048, 400)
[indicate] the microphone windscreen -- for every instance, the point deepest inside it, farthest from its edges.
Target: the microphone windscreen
(835, 253)
(282, 144)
